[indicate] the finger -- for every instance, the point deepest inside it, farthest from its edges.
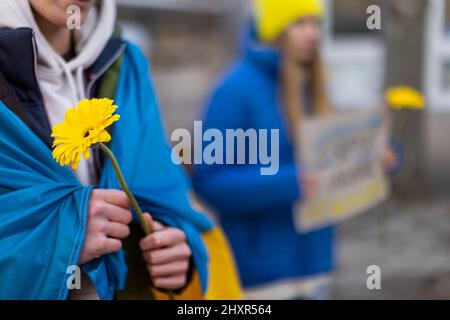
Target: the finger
(393, 158)
(110, 245)
(174, 282)
(162, 256)
(309, 182)
(389, 161)
(164, 238)
(312, 185)
(116, 197)
(117, 214)
(158, 226)
(169, 269)
(150, 222)
(117, 230)
(390, 152)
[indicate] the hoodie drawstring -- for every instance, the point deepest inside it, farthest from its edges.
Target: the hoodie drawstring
(81, 85)
(76, 82)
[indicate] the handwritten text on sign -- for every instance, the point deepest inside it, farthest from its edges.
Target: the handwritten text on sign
(343, 152)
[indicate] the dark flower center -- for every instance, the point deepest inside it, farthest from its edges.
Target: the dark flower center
(87, 132)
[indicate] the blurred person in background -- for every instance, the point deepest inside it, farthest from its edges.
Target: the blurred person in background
(279, 80)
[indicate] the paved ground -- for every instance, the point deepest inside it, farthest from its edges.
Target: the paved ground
(410, 243)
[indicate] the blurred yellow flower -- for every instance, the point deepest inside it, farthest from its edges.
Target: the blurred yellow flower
(403, 97)
(83, 126)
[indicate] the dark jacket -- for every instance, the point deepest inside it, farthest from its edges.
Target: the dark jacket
(19, 90)
(18, 82)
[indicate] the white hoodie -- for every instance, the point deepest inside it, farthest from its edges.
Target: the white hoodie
(62, 83)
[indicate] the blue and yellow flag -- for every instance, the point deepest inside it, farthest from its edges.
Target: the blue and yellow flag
(44, 207)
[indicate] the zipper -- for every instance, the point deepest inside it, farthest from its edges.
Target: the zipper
(110, 62)
(35, 53)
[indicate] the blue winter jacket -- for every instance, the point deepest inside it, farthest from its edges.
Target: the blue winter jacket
(255, 210)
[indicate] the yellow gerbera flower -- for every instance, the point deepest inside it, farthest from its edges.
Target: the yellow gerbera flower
(84, 126)
(403, 97)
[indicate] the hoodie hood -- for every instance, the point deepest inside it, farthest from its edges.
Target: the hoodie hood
(258, 52)
(62, 83)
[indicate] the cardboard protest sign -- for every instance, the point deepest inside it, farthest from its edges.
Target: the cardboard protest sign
(343, 153)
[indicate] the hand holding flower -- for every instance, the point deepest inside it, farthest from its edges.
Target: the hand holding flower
(85, 126)
(108, 218)
(401, 100)
(167, 255)
(389, 159)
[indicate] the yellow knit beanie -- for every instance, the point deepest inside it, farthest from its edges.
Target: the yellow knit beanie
(272, 17)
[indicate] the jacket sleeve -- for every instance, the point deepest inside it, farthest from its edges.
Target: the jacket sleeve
(241, 189)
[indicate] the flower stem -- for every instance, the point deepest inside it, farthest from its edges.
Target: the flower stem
(125, 188)
(133, 200)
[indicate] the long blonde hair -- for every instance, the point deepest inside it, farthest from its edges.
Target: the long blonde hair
(292, 93)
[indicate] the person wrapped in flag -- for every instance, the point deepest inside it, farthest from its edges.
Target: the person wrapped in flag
(56, 219)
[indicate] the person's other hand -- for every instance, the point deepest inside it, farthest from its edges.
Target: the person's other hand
(389, 159)
(166, 254)
(108, 218)
(310, 186)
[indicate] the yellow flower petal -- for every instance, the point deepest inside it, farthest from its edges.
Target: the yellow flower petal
(83, 126)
